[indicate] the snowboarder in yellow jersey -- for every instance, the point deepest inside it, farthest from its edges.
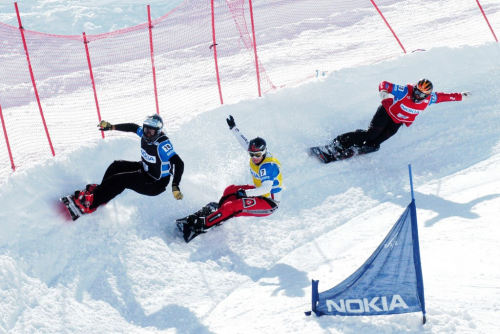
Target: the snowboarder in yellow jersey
(258, 200)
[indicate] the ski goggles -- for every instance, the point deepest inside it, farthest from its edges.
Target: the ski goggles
(419, 94)
(149, 132)
(256, 154)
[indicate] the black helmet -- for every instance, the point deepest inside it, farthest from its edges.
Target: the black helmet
(151, 128)
(422, 89)
(257, 147)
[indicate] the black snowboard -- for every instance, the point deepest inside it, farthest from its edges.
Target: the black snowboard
(330, 153)
(71, 206)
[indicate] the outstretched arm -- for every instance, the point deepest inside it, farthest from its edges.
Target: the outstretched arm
(236, 132)
(125, 127)
(449, 97)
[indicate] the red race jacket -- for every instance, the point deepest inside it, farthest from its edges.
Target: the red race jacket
(402, 109)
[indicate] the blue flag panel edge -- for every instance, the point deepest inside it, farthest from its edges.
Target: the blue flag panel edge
(389, 282)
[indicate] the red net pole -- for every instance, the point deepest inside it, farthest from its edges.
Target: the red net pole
(21, 29)
(92, 79)
(153, 59)
(7, 140)
(488, 22)
(387, 23)
(255, 47)
(214, 45)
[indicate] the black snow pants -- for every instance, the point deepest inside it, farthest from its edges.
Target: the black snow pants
(122, 175)
(381, 128)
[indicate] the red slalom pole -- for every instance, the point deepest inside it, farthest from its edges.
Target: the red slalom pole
(214, 45)
(255, 47)
(387, 23)
(153, 59)
(488, 22)
(85, 42)
(7, 139)
(21, 29)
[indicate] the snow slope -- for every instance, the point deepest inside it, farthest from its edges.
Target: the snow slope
(125, 269)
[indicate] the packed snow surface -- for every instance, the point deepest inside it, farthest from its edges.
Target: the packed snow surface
(126, 269)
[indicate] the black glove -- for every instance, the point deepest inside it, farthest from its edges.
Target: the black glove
(230, 121)
(241, 193)
(105, 126)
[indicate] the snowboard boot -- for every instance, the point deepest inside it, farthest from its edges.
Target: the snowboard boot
(83, 200)
(366, 148)
(90, 188)
(197, 224)
(337, 145)
(212, 206)
(206, 210)
(336, 148)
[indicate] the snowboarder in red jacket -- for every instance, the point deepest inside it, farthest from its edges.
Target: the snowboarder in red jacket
(401, 104)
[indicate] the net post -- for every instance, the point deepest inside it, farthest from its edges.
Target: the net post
(7, 140)
(255, 47)
(214, 45)
(487, 22)
(388, 25)
(86, 43)
(153, 59)
(21, 29)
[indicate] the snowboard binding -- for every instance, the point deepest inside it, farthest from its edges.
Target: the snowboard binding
(79, 203)
(194, 225)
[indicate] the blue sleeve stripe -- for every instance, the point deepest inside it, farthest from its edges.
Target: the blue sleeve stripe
(433, 98)
(272, 169)
(399, 92)
(166, 155)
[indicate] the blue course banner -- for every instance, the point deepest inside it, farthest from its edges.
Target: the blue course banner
(389, 282)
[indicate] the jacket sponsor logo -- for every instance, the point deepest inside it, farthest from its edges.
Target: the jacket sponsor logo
(259, 212)
(409, 110)
(255, 175)
(400, 115)
(215, 217)
(147, 157)
(376, 304)
(249, 202)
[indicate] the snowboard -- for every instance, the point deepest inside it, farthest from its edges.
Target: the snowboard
(73, 210)
(186, 225)
(330, 153)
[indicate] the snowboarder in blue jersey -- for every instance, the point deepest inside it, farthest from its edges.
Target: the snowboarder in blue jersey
(147, 177)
